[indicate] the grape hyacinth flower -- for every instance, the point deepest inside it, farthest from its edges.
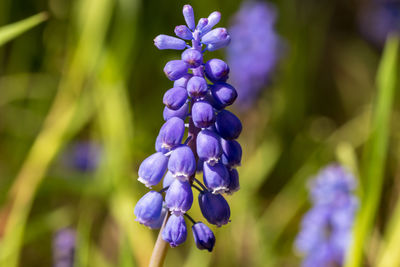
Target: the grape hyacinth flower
(198, 135)
(325, 233)
(254, 50)
(64, 243)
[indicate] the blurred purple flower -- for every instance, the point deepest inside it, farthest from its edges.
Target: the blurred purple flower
(254, 50)
(64, 243)
(378, 18)
(326, 229)
(84, 156)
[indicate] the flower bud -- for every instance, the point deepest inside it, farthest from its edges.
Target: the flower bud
(203, 236)
(216, 70)
(171, 133)
(168, 179)
(202, 23)
(221, 44)
(152, 169)
(202, 114)
(175, 231)
(224, 94)
(214, 208)
(175, 97)
(228, 125)
(208, 146)
(216, 177)
(182, 31)
(188, 14)
(182, 82)
(192, 57)
(181, 113)
(215, 36)
(197, 87)
(182, 163)
(158, 223)
(169, 42)
(213, 20)
(231, 153)
(179, 197)
(234, 184)
(148, 208)
(175, 69)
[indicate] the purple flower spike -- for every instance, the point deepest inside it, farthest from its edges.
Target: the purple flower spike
(152, 169)
(171, 133)
(228, 125)
(158, 223)
(203, 236)
(163, 41)
(233, 182)
(64, 244)
(182, 163)
(216, 177)
(224, 94)
(175, 69)
(232, 153)
(175, 231)
(216, 70)
(181, 113)
(179, 197)
(213, 20)
(203, 114)
(175, 97)
(148, 208)
(197, 87)
(208, 146)
(182, 31)
(182, 82)
(192, 57)
(188, 14)
(214, 208)
(168, 179)
(215, 36)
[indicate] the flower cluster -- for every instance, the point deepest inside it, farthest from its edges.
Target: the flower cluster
(64, 243)
(199, 96)
(379, 18)
(326, 229)
(254, 51)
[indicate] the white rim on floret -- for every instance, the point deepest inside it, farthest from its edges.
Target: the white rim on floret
(177, 211)
(220, 190)
(181, 176)
(145, 182)
(212, 161)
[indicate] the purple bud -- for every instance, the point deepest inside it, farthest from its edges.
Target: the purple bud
(214, 208)
(232, 153)
(214, 103)
(233, 181)
(188, 14)
(208, 146)
(216, 177)
(216, 70)
(182, 82)
(228, 125)
(158, 223)
(197, 87)
(215, 36)
(202, 23)
(213, 20)
(175, 69)
(221, 44)
(224, 94)
(192, 57)
(148, 208)
(182, 31)
(175, 231)
(181, 113)
(203, 236)
(175, 97)
(202, 114)
(152, 169)
(182, 163)
(64, 246)
(171, 133)
(163, 41)
(179, 197)
(168, 179)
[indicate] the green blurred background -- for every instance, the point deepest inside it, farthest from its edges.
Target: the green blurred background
(90, 73)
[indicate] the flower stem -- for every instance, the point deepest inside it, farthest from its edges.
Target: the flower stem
(160, 248)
